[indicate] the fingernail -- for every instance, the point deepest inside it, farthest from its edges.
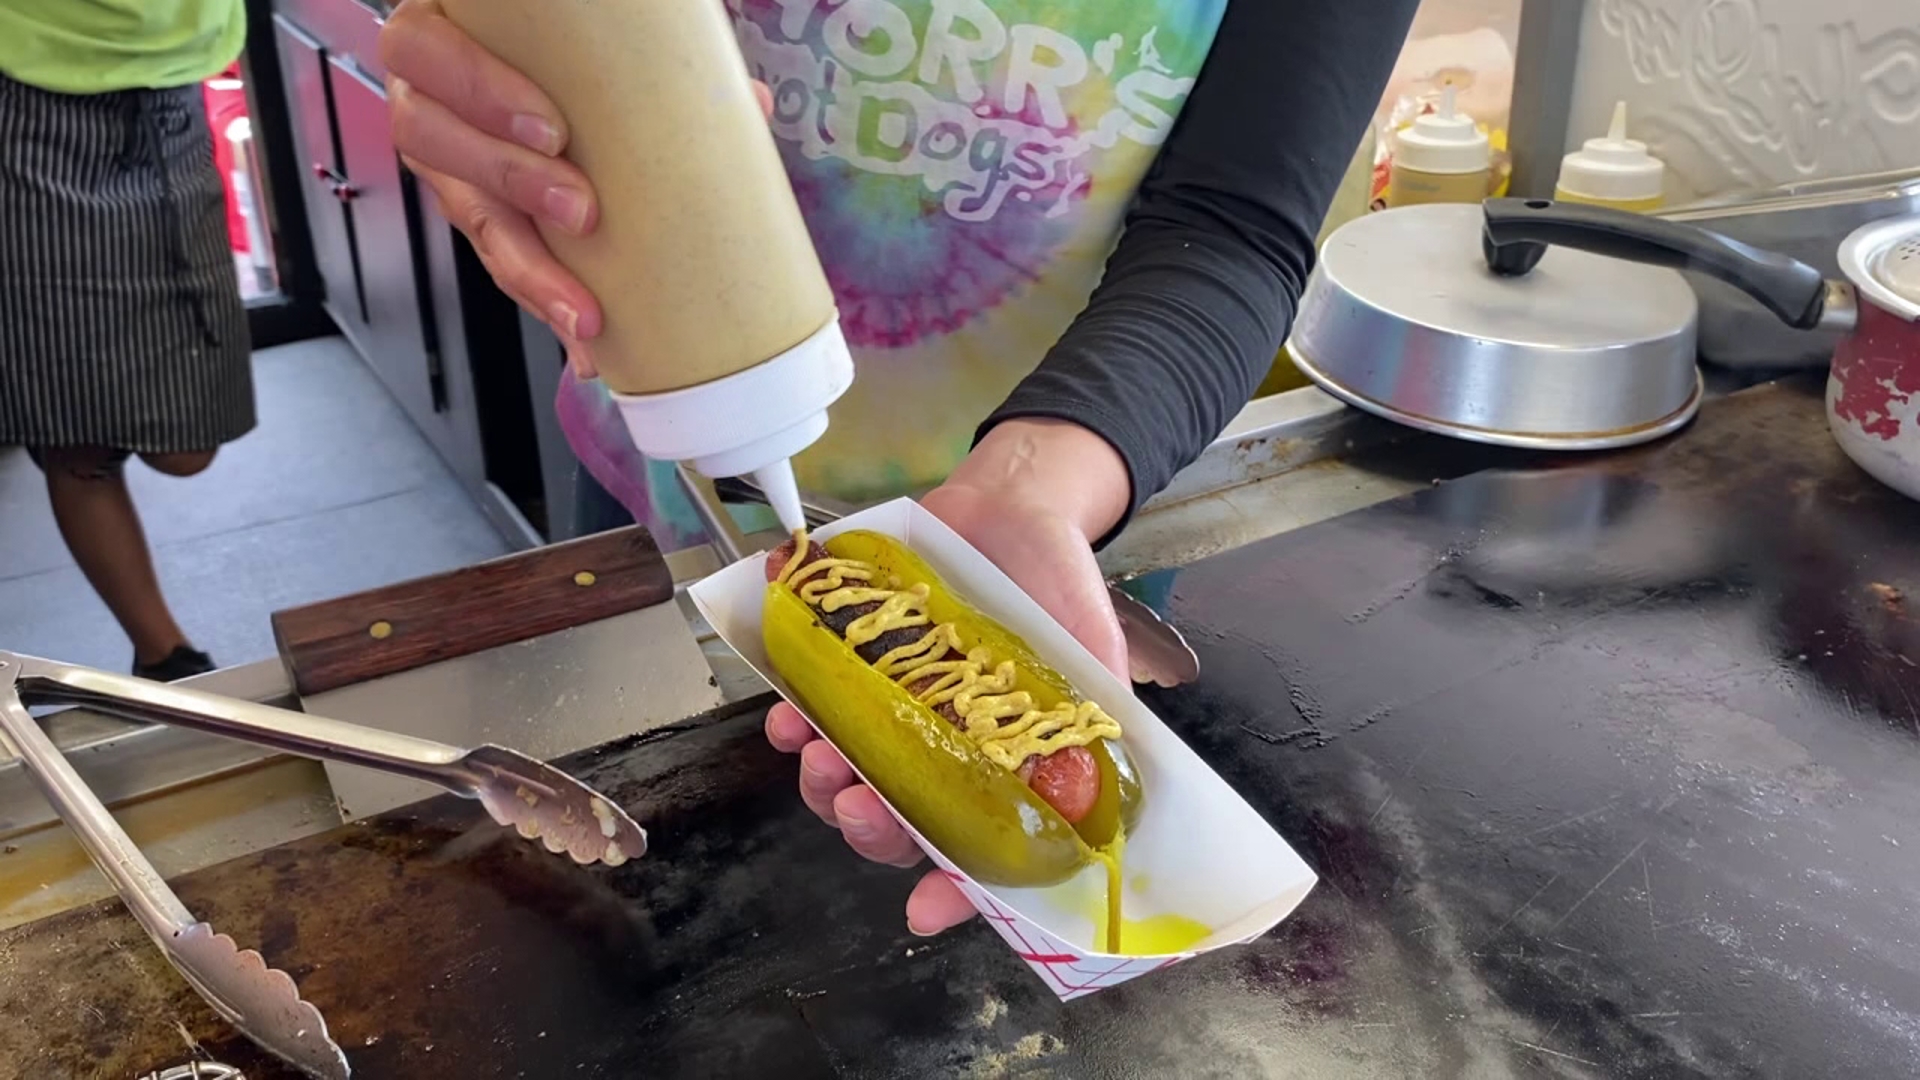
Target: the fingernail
(917, 932)
(567, 208)
(565, 319)
(580, 362)
(535, 133)
(859, 828)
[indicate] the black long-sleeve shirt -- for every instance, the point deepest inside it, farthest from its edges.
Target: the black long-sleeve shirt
(1200, 292)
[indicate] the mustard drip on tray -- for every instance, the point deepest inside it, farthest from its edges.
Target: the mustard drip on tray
(999, 719)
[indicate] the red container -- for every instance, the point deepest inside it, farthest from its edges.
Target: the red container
(226, 102)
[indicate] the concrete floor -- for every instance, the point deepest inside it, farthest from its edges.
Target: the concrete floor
(334, 492)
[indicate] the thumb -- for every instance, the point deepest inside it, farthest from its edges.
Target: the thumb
(580, 357)
(1098, 628)
(765, 97)
(1112, 652)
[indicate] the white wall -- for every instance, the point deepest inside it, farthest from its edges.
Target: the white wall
(1738, 94)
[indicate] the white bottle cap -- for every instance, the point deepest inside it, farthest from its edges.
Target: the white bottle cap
(1614, 168)
(750, 422)
(1446, 142)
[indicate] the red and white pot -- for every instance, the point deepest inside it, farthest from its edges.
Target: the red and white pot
(1873, 394)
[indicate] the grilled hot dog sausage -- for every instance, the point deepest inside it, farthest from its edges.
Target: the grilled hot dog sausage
(1067, 779)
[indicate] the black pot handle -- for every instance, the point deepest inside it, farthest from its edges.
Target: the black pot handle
(1518, 231)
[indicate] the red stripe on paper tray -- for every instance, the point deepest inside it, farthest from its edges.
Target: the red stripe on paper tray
(1050, 964)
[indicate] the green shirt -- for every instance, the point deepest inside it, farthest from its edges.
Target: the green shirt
(97, 46)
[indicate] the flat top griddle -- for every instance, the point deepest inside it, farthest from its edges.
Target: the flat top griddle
(1610, 768)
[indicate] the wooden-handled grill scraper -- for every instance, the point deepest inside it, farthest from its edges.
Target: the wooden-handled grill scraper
(550, 651)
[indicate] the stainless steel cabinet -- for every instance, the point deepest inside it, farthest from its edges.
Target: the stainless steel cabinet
(364, 211)
(303, 65)
(401, 283)
(384, 211)
(360, 208)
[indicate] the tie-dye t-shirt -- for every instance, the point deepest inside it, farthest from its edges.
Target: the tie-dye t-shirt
(964, 167)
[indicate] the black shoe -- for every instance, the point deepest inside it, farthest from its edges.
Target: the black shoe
(183, 663)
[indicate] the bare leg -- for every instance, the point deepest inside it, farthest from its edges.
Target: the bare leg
(97, 518)
(191, 464)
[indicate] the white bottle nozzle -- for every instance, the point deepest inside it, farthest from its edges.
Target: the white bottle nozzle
(750, 423)
(1613, 168)
(783, 493)
(1445, 141)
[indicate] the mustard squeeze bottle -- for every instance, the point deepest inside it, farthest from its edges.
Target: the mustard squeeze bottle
(722, 344)
(1613, 171)
(1442, 157)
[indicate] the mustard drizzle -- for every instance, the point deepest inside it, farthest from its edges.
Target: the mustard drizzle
(1002, 721)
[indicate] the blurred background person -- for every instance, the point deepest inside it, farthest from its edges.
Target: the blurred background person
(122, 329)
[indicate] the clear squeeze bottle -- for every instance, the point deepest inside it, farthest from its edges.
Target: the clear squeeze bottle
(722, 344)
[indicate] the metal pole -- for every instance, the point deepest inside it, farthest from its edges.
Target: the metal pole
(1543, 79)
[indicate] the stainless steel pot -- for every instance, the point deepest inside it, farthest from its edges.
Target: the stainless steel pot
(1403, 318)
(1873, 393)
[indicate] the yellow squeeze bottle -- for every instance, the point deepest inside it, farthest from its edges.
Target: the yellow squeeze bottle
(1613, 171)
(722, 344)
(1442, 157)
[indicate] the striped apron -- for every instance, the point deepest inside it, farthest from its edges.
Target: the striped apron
(121, 322)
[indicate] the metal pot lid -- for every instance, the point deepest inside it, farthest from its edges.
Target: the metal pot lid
(1423, 265)
(1882, 259)
(1404, 319)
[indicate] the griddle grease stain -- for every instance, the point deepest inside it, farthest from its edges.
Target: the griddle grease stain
(1382, 911)
(1446, 562)
(1311, 734)
(1451, 581)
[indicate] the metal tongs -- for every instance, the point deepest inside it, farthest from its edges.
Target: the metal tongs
(535, 799)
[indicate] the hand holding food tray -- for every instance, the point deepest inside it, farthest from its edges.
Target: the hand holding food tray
(1191, 865)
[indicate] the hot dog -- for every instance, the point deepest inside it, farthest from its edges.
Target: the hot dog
(1067, 779)
(980, 745)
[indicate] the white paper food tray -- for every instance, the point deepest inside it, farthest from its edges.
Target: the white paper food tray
(1199, 850)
